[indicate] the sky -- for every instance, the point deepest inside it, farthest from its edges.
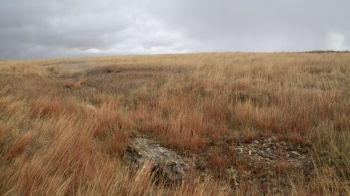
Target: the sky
(59, 28)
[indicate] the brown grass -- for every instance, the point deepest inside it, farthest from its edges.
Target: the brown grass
(218, 161)
(47, 107)
(19, 145)
(64, 124)
(72, 84)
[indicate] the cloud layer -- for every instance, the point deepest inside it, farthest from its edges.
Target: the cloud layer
(31, 29)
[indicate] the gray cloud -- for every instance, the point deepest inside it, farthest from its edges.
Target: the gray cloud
(85, 27)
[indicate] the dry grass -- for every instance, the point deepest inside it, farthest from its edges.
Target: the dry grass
(65, 123)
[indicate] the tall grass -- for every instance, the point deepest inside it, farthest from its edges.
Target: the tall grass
(66, 136)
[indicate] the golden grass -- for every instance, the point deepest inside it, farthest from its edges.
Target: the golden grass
(65, 123)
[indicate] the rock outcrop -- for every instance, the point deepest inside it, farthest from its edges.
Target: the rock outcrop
(163, 162)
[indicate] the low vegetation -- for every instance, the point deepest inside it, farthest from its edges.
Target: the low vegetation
(65, 123)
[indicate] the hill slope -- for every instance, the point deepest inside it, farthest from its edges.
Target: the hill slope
(251, 123)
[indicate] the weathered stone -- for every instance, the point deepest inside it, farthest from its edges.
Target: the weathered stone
(164, 162)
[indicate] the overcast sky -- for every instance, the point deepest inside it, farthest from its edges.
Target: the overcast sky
(55, 28)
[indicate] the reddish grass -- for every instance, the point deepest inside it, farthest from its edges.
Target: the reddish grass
(71, 84)
(217, 161)
(241, 85)
(46, 107)
(2, 135)
(327, 183)
(205, 100)
(109, 126)
(293, 137)
(180, 134)
(182, 121)
(119, 142)
(19, 145)
(292, 112)
(281, 166)
(107, 118)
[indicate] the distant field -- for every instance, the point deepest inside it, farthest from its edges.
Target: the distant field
(65, 123)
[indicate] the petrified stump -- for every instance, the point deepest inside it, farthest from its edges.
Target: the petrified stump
(163, 162)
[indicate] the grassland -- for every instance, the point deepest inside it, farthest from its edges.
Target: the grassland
(65, 123)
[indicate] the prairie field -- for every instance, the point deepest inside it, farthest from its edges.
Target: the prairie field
(66, 123)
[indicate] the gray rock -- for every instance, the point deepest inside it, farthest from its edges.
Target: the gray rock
(164, 162)
(294, 154)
